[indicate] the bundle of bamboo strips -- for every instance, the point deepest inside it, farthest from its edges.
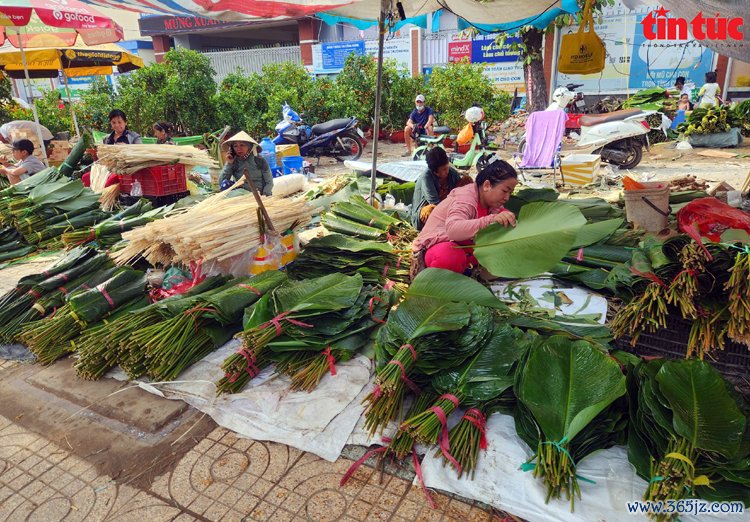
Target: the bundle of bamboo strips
(126, 160)
(99, 175)
(216, 229)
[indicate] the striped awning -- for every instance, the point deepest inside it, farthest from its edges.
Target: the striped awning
(495, 12)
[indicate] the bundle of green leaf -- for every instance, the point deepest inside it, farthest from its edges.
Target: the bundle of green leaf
(483, 385)
(292, 308)
(359, 219)
(49, 339)
(375, 261)
(308, 354)
(24, 187)
(692, 280)
(688, 434)
(565, 391)
(175, 344)
(423, 336)
(593, 209)
(108, 232)
(651, 99)
(742, 116)
(401, 192)
(709, 121)
(99, 350)
(29, 290)
(12, 244)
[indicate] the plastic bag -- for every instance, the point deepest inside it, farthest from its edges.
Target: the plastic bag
(466, 135)
(136, 190)
(582, 52)
(712, 218)
(267, 256)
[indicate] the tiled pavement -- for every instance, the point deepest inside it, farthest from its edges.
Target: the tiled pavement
(222, 478)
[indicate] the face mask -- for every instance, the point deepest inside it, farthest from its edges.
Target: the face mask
(420, 108)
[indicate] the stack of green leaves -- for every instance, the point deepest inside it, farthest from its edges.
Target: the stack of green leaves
(49, 339)
(107, 232)
(292, 308)
(215, 317)
(99, 350)
(651, 99)
(357, 218)
(308, 354)
(562, 387)
(688, 432)
(375, 261)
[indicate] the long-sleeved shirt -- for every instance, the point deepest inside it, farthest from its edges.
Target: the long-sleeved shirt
(259, 171)
(427, 192)
(455, 219)
(128, 137)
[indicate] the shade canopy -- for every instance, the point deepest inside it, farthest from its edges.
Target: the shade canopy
(79, 60)
(492, 12)
(54, 23)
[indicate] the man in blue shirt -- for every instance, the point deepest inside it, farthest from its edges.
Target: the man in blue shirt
(421, 121)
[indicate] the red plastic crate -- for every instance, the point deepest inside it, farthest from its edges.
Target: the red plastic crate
(157, 181)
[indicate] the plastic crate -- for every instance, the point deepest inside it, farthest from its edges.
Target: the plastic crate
(671, 343)
(163, 180)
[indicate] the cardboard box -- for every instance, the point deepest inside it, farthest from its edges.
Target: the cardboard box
(283, 151)
(60, 150)
(580, 169)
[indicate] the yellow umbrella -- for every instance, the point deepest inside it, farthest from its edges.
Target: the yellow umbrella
(73, 61)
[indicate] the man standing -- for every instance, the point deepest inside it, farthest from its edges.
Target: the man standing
(421, 121)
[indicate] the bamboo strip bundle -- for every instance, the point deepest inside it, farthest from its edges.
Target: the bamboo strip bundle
(109, 197)
(216, 229)
(126, 160)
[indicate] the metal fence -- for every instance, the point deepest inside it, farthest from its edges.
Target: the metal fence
(250, 60)
(435, 48)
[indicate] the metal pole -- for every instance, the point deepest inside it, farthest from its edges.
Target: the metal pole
(31, 97)
(378, 94)
(70, 103)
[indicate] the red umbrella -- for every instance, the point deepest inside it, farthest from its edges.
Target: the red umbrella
(53, 23)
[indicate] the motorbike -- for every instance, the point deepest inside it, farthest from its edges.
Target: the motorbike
(340, 138)
(574, 105)
(618, 136)
(479, 151)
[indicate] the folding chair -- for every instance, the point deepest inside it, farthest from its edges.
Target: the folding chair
(544, 133)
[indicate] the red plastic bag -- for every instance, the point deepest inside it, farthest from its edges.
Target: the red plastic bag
(709, 217)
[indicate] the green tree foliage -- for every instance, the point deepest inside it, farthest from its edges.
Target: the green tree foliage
(50, 115)
(240, 102)
(456, 87)
(6, 99)
(92, 109)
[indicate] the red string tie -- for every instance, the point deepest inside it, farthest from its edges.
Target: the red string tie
(354, 467)
(251, 369)
(102, 290)
(32, 293)
(579, 257)
(385, 269)
(331, 360)
(389, 284)
(418, 471)
(411, 349)
(479, 420)
(413, 387)
(276, 321)
(445, 446)
(252, 289)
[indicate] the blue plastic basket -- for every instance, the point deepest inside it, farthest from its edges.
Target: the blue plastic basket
(292, 164)
(277, 171)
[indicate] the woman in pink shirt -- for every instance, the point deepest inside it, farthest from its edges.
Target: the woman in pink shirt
(456, 220)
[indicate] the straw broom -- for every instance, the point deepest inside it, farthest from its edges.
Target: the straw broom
(216, 229)
(109, 196)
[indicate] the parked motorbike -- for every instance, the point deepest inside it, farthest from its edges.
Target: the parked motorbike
(340, 138)
(573, 103)
(479, 151)
(618, 136)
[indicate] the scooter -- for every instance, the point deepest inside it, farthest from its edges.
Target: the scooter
(340, 138)
(479, 151)
(619, 136)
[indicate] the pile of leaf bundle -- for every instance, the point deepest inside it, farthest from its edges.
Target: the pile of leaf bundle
(742, 116)
(40, 295)
(108, 232)
(688, 432)
(170, 347)
(651, 99)
(101, 349)
(375, 261)
(709, 121)
(401, 192)
(705, 283)
(49, 339)
(334, 306)
(567, 409)
(357, 218)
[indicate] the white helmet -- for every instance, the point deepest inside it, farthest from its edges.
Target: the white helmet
(474, 114)
(562, 97)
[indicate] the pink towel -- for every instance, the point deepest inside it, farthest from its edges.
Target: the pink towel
(544, 132)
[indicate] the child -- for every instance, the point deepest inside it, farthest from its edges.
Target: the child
(684, 103)
(26, 163)
(710, 91)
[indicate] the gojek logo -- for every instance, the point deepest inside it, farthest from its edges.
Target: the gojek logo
(657, 26)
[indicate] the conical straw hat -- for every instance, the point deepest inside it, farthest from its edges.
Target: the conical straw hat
(240, 136)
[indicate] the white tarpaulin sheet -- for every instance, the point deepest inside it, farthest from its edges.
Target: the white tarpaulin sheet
(500, 483)
(319, 422)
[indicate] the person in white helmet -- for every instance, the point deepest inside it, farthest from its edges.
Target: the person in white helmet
(421, 121)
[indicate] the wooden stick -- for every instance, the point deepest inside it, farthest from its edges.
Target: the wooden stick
(262, 207)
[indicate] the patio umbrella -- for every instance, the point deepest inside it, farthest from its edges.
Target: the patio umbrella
(52, 23)
(79, 60)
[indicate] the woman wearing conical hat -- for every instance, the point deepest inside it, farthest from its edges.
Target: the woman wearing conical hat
(242, 153)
